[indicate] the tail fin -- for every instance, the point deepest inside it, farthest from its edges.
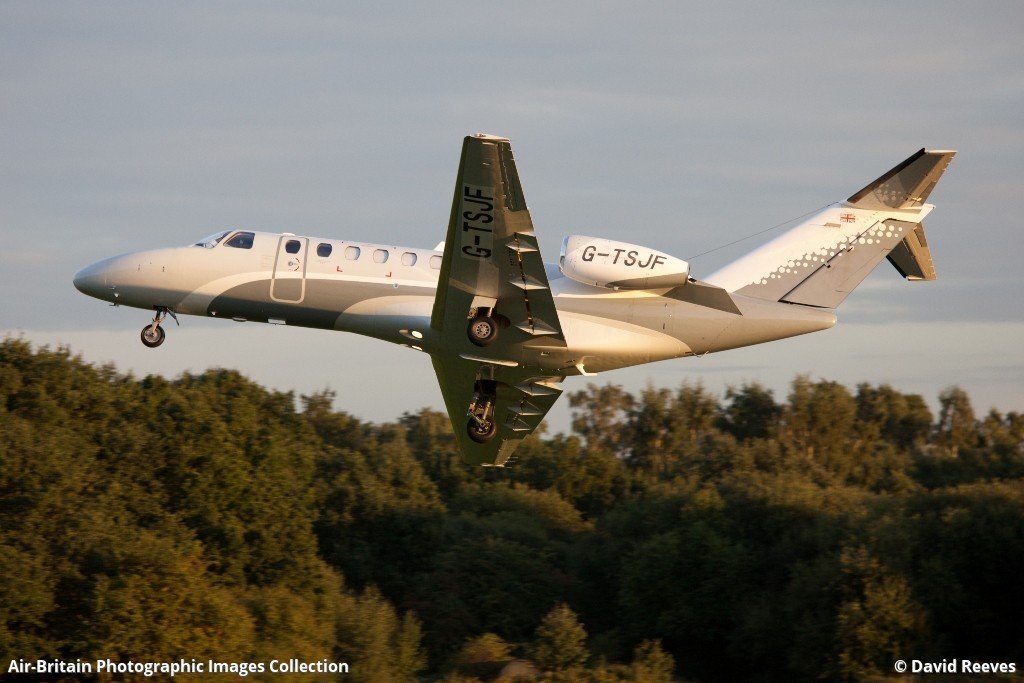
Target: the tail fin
(820, 261)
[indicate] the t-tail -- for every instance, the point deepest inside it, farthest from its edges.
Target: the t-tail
(821, 260)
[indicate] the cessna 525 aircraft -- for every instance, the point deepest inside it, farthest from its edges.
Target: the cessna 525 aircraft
(503, 328)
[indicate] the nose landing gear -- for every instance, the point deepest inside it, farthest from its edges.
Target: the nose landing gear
(153, 335)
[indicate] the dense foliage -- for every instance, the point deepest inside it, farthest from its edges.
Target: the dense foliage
(673, 534)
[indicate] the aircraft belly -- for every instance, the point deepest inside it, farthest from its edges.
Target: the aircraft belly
(601, 344)
(764, 321)
(368, 308)
(396, 316)
(609, 334)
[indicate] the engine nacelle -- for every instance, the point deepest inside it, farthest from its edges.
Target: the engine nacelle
(617, 265)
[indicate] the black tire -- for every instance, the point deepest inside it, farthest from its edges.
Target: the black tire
(481, 433)
(482, 330)
(152, 338)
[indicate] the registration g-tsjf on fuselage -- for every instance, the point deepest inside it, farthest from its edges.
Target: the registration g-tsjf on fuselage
(504, 329)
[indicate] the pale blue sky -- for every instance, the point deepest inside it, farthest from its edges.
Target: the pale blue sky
(126, 126)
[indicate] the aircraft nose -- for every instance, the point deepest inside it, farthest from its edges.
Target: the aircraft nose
(92, 280)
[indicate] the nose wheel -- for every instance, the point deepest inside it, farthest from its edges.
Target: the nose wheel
(153, 334)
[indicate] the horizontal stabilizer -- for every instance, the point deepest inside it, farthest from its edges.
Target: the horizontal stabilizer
(834, 278)
(906, 186)
(912, 257)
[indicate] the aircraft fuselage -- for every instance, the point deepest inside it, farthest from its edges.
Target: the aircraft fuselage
(388, 293)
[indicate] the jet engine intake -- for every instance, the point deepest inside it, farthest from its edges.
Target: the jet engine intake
(618, 265)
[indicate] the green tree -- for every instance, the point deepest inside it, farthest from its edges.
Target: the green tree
(432, 442)
(381, 645)
(592, 479)
(651, 664)
(814, 540)
(560, 641)
(902, 420)
(751, 412)
(879, 621)
(482, 656)
(667, 428)
(955, 429)
(600, 415)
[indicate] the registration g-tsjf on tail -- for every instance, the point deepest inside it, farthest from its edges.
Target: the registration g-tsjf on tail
(503, 329)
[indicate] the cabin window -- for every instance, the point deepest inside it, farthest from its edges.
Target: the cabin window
(408, 259)
(323, 250)
(241, 240)
(380, 256)
(352, 253)
(292, 246)
(435, 262)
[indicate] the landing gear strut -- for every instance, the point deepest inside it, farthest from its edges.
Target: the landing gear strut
(481, 426)
(153, 335)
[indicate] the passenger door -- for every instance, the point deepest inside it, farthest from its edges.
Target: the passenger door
(289, 280)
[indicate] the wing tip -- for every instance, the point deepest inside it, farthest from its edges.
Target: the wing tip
(488, 136)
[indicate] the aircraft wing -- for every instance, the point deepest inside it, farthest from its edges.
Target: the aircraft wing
(492, 268)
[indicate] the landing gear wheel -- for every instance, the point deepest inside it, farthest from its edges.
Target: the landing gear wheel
(482, 431)
(483, 330)
(153, 337)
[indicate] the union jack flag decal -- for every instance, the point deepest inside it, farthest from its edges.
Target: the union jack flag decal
(848, 218)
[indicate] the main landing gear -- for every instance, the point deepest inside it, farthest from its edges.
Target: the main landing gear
(483, 330)
(484, 324)
(153, 335)
(481, 426)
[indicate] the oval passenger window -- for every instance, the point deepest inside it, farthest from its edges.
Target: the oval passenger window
(380, 256)
(408, 259)
(352, 253)
(292, 246)
(323, 250)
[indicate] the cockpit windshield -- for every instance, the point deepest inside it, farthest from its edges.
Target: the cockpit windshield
(211, 241)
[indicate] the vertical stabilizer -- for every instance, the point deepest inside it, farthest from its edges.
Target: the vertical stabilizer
(821, 260)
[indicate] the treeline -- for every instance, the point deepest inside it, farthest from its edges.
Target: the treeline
(673, 535)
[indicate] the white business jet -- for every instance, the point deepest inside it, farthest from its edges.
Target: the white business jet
(503, 328)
